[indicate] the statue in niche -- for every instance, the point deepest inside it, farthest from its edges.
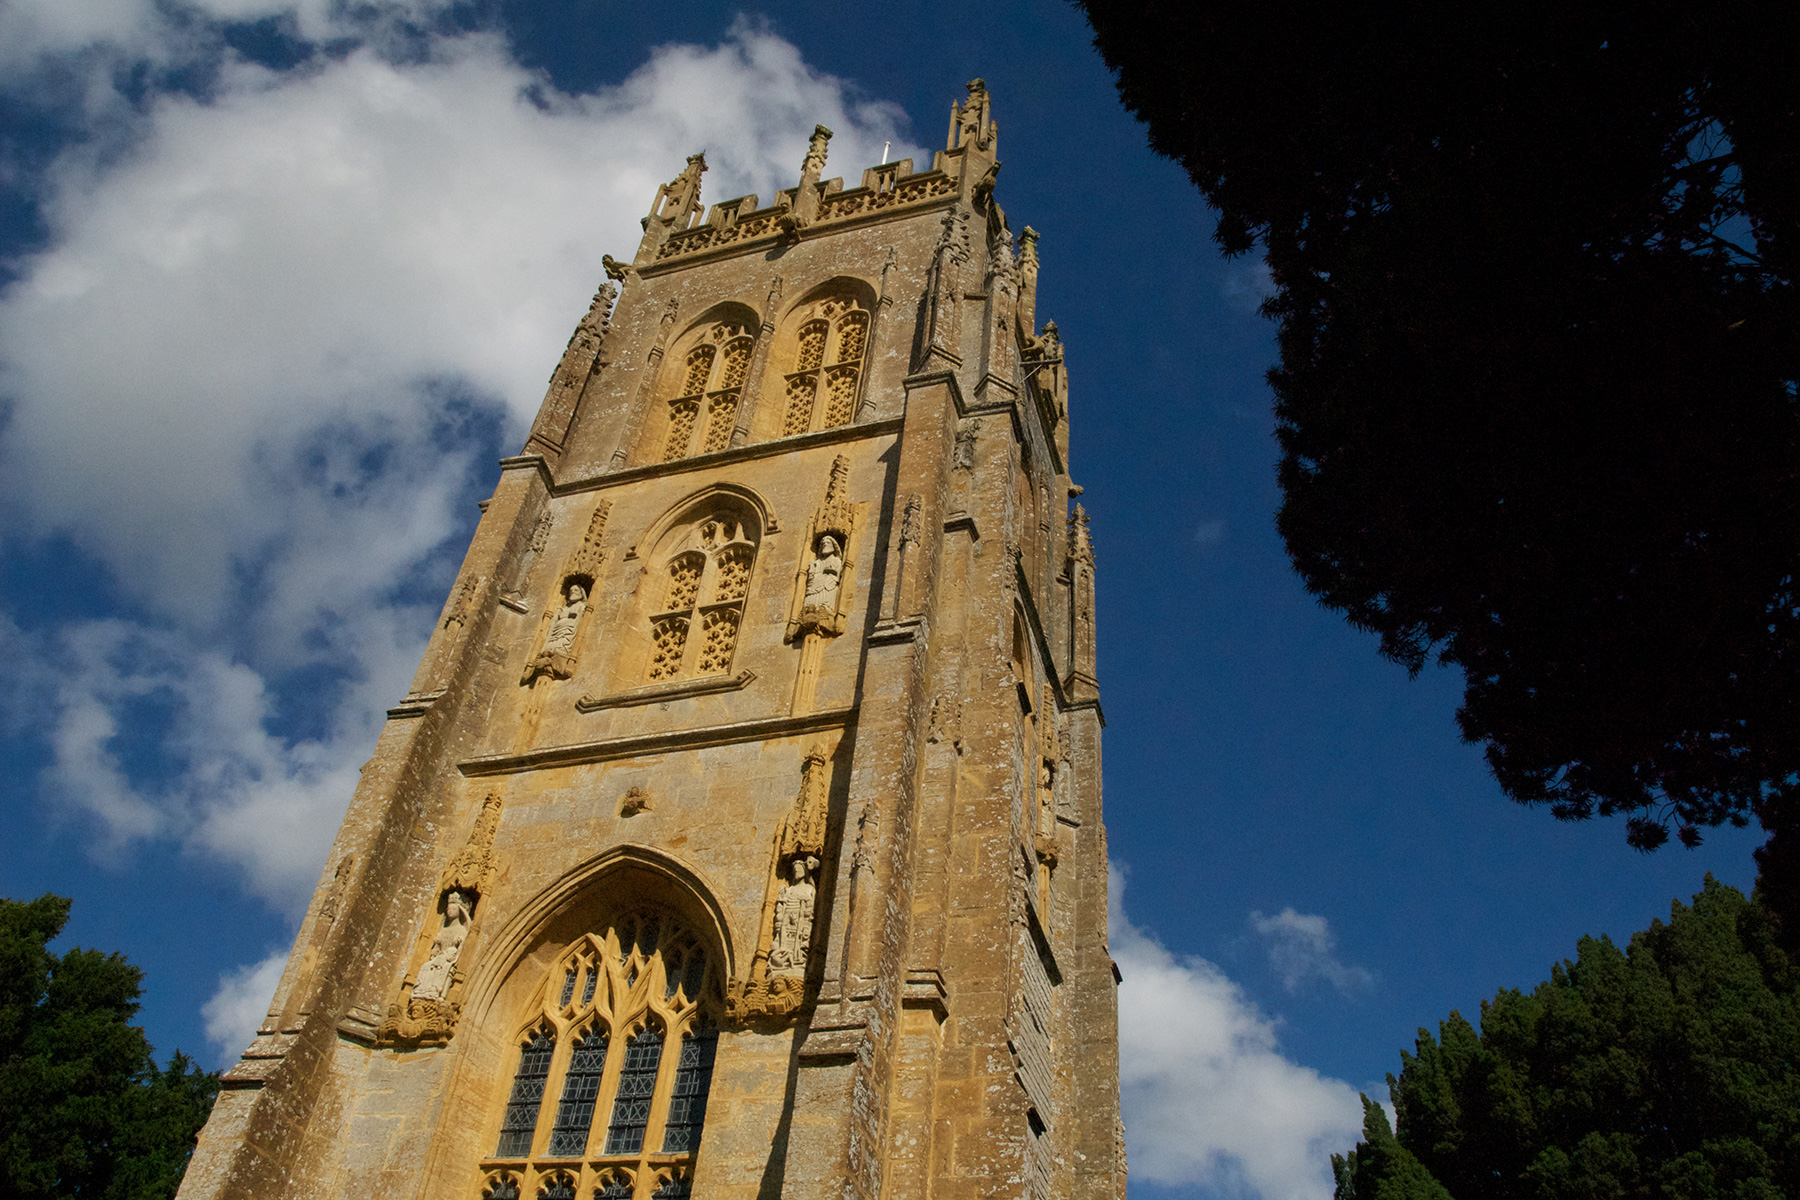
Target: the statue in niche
(434, 977)
(792, 935)
(823, 575)
(561, 638)
(557, 657)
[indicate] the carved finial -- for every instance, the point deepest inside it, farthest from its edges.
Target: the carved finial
(836, 491)
(586, 559)
(803, 833)
(953, 242)
(599, 309)
(469, 870)
(910, 519)
(679, 200)
(1081, 543)
(615, 270)
(814, 162)
(969, 121)
(1028, 254)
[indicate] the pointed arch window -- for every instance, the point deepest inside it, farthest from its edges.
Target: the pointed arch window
(712, 384)
(826, 376)
(694, 627)
(611, 1003)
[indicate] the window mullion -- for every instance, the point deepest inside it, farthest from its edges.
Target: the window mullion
(665, 1084)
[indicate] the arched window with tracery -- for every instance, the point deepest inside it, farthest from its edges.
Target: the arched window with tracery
(825, 374)
(711, 385)
(629, 1116)
(702, 586)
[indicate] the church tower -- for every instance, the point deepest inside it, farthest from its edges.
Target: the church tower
(740, 835)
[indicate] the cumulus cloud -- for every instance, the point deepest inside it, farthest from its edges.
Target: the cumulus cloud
(239, 1005)
(1301, 948)
(1209, 1099)
(250, 372)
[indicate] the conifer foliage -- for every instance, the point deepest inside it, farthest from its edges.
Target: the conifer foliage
(1671, 1069)
(1535, 268)
(84, 1109)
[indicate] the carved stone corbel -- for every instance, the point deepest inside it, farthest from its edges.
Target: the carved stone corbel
(775, 986)
(430, 999)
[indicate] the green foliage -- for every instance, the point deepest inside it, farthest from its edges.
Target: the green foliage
(1669, 1070)
(1536, 268)
(84, 1110)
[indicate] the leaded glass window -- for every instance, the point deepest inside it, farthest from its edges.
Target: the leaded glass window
(609, 1004)
(527, 1096)
(637, 1085)
(678, 1186)
(581, 1084)
(693, 1079)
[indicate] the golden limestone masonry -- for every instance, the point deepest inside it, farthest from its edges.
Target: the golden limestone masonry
(740, 835)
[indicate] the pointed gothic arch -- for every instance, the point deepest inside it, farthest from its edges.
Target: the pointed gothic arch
(632, 940)
(699, 389)
(819, 358)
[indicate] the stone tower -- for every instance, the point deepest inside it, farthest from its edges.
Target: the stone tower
(740, 835)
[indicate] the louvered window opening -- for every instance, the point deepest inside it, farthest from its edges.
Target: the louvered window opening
(826, 379)
(710, 390)
(703, 587)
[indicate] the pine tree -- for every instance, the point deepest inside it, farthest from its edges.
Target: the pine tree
(84, 1110)
(1669, 1069)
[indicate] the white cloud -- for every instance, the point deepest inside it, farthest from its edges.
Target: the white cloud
(1301, 947)
(231, 370)
(1209, 1098)
(1248, 284)
(240, 1004)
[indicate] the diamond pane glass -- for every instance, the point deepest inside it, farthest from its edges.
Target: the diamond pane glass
(527, 1096)
(637, 1080)
(575, 1111)
(693, 1078)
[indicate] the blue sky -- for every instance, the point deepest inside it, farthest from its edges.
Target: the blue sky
(282, 280)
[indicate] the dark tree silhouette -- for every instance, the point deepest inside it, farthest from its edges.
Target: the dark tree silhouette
(1539, 341)
(84, 1110)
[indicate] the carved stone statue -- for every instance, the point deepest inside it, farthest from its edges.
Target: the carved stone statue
(446, 948)
(556, 657)
(823, 575)
(561, 638)
(792, 937)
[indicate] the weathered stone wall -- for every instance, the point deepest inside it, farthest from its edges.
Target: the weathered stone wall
(562, 757)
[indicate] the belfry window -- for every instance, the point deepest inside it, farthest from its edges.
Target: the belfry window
(711, 385)
(596, 1039)
(694, 626)
(826, 375)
